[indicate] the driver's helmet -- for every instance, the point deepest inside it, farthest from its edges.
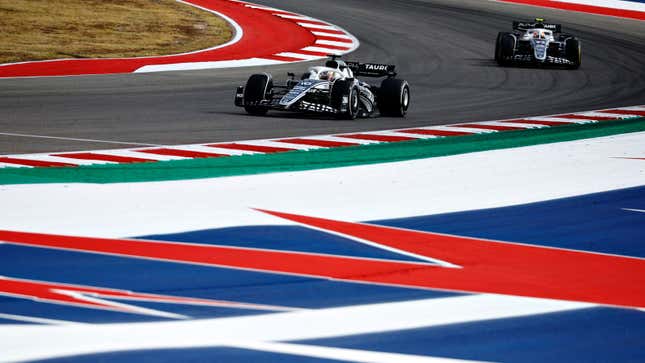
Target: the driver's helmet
(327, 75)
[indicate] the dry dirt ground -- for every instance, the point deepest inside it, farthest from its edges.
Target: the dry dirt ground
(45, 29)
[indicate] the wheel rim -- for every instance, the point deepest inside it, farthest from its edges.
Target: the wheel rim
(354, 103)
(405, 98)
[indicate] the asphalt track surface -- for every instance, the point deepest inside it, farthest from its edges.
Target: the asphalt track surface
(443, 48)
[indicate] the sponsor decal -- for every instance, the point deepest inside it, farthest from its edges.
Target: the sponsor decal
(376, 67)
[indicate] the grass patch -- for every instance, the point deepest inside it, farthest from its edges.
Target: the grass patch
(314, 159)
(46, 29)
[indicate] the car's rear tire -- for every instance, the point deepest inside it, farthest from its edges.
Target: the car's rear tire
(394, 97)
(573, 52)
(341, 89)
(257, 88)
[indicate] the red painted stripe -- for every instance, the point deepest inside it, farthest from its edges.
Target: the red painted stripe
(37, 163)
(214, 255)
(282, 58)
(491, 127)
(383, 138)
(316, 142)
(182, 153)
(625, 112)
(104, 157)
(256, 148)
(599, 10)
(56, 293)
(540, 122)
(435, 132)
(501, 267)
(334, 39)
(583, 117)
(485, 266)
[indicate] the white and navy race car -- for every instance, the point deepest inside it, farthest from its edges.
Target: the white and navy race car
(538, 43)
(331, 89)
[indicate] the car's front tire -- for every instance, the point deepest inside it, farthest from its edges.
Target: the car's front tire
(504, 48)
(573, 52)
(341, 89)
(257, 88)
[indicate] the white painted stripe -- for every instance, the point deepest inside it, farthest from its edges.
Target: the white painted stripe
(321, 49)
(63, 159)
(299, 55)
(635, 108)
(339, 139)
(47, 157)
(341, 354)
(606, 114)
(76, 139)
(331, 42)
(251, 62)
(634, 210)
(501, 123)
(135, 154)
(294, 17)
(5, 165)
(613, 4)
(258, 7)
(216, 150)
(317, 26)
(20, 343)
(31, 319)
(271, 143)
(436, 261)
(557, 119)
(398, 134)
(457, 128)
(200, 148)
(333, 35)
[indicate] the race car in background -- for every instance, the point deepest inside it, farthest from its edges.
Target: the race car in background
(332, 89)
(538, 43)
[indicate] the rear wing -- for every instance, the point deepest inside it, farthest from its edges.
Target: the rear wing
(371, 69)
(524, 25)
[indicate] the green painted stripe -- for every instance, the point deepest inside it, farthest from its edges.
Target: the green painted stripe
(315, 159)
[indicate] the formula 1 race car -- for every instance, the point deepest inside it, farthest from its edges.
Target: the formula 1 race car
(331, 89)
(538, 43)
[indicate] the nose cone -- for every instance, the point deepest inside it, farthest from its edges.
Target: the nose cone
(539, 49)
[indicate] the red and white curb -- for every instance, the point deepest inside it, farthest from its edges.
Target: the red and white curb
(263, 36)
(328, 39)
(252, 147)
(618, 8)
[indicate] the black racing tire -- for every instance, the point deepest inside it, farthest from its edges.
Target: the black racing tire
(394, 97)
(257, 88)
(498, 47)
(505, 48)
(573, 51)
(340, 89)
